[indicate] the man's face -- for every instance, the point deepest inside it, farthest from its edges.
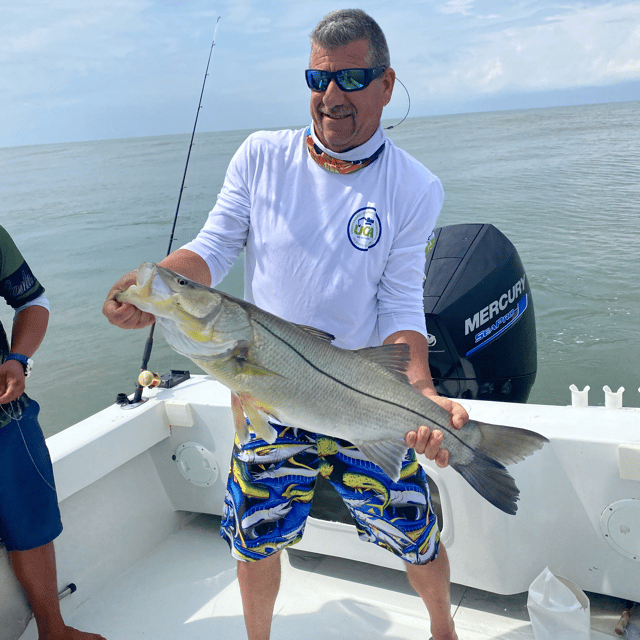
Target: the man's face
(344, 120)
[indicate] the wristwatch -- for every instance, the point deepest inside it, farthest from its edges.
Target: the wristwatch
(27, 363)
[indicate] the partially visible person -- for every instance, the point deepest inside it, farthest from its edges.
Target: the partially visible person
(29, 513)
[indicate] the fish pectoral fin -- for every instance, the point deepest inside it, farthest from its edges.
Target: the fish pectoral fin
(239, 420)
(250, 369)
(318, 333)
(387, 454)
(393, 357)
(246, 366)
(254, 411)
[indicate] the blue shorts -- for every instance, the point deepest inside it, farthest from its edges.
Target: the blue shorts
(29, 513)
(270, 491)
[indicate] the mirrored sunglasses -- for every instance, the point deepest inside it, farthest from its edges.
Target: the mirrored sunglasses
(346, 79)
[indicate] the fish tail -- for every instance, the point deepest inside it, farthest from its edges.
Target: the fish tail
(492, 481)
(507, 445)
(498, 446)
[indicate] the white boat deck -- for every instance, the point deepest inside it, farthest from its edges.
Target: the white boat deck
(146, 567)
(187, 588)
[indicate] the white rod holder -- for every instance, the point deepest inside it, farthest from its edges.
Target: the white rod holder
(579, 398)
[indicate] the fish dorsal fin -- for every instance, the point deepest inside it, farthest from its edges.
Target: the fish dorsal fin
(393, 357)
(318, 333)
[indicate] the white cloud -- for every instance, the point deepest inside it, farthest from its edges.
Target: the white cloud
(457, 6)
(76, 70)
(580, 46)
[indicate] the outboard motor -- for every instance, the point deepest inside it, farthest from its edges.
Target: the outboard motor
(482, 330)
(479, 313)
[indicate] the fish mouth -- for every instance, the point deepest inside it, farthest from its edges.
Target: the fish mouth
(151, 283)
(148, 291)
(145, 271)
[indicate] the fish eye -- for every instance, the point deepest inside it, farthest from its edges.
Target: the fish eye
(182, 282)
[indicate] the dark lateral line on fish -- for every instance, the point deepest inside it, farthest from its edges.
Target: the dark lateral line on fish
(364, 393)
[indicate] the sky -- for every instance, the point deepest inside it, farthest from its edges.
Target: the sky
(76, 70)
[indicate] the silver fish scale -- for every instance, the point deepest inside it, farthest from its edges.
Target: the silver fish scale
(335, 391)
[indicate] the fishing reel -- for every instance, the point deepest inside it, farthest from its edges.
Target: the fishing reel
(151, 380)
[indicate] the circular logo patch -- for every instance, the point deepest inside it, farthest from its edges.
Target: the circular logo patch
(364, 229)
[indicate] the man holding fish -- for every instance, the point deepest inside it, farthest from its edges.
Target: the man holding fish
(335, 220)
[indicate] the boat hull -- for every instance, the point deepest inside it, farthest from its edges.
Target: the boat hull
(128, 478)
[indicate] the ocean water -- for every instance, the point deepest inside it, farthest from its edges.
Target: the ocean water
(563, 184)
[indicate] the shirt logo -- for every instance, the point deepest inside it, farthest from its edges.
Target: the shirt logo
(364, 229)
(16, 287)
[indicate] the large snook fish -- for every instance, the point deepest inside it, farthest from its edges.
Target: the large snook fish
(294, 374)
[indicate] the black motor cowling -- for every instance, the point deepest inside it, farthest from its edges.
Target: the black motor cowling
(479, 313)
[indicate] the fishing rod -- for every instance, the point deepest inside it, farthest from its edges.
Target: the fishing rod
(146, 376)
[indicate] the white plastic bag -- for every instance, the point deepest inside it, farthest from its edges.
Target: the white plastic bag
(558, 609)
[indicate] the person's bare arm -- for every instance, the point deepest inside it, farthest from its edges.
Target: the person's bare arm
(29, 328)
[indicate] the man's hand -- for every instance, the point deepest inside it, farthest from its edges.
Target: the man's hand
(425, 441)
(428, 442)
(12, 381)
(126, 316)
(123, 314)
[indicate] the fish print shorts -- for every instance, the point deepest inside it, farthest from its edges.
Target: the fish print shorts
(29, 513)
(271, 486)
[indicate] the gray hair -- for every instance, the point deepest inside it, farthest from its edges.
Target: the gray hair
(340, 28)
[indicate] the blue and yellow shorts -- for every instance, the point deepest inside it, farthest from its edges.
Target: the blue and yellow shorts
(29, 513)
(271, 486)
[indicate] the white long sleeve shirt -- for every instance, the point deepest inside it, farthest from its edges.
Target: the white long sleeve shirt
(343, 253)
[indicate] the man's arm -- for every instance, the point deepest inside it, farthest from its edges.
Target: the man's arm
(29, 327)
(424, 441)
(124, 315)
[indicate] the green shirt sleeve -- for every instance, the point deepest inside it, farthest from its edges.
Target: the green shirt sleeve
(18, 285)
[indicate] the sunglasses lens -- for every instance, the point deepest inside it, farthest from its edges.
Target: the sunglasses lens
(351, 79)
(346, 79)
(317, 80)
